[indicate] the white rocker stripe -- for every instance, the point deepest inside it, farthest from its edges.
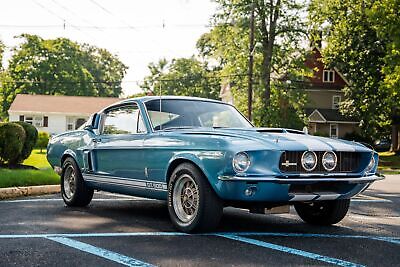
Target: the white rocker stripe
(134, 183)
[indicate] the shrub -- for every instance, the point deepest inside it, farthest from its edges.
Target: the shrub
(42, 141)
(322, 134)
(355, 136)
(12, 138)
(30, 140)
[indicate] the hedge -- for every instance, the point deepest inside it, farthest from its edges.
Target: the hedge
(30, 140)
(12, 139)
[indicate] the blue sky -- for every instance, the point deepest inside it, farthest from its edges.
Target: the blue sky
(139, 32)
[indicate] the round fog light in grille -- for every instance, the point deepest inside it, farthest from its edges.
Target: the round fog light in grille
(309, 160)
(329, 161)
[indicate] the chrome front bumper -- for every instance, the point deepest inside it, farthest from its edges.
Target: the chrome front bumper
(301, 179)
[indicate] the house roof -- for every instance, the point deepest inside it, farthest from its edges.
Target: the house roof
(60, 104)
(327, 115)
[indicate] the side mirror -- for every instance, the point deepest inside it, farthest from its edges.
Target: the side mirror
(89, 128)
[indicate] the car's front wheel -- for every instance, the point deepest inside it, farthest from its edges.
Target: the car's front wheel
(74, 191)
(323, 212)
(192, 204)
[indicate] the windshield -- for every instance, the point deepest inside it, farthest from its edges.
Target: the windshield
(177, 113)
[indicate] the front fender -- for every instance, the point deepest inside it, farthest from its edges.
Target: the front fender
(211, 163)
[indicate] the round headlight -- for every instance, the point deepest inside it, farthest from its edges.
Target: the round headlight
(241, 162)
(329, 161)
(371, 164)
(309, 160)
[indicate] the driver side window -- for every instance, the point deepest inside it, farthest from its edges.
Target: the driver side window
(123, 120)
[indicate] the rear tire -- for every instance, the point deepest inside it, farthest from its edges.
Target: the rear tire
(74, 191)
(323, 212)
(193, 205)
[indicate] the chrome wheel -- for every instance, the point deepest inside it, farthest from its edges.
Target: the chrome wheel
(69, 182)
(185, 198)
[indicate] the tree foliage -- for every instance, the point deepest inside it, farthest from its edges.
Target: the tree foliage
(279, 31)
(182, 76)
(362, 40)
(60, 66)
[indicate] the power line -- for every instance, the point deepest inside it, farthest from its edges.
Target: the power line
(124, 22)
(59, 17)
(112, 14)
(96, 27)
(76, 15)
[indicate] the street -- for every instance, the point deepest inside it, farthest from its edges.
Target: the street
(116, 229)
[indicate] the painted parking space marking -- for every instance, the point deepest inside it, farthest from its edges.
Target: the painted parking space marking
(103, 253)
(294, 251)
(60, 200)
(394, 240)
(67, 240)
(372, 199)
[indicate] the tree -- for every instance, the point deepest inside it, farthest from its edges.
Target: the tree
(182, 76)
(42, 140)
(361, 39)
(278, 57)
(60, 66)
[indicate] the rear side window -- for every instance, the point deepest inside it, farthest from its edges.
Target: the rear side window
(123, 120)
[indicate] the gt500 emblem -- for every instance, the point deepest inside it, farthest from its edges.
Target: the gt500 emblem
(154, 185)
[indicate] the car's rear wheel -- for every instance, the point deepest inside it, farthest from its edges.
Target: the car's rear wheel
(192, 204)
(74, 191)
(323, 212)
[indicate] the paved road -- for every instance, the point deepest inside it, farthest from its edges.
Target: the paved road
(117, 230)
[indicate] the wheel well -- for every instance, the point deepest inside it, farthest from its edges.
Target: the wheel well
(64, 157)
(176, 163)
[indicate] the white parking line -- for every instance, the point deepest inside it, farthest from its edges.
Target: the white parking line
(56, 199)
(103, 253)
(294, 251)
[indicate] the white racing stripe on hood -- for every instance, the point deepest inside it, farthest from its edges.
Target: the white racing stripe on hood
(315, 144)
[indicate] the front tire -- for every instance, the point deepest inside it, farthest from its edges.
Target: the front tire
(323, 212)
(193, 205)
(74, 191)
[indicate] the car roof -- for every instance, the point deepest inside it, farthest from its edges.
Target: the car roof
(144, 99)
(148, 98)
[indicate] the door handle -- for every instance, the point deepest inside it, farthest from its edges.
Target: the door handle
(96, 140)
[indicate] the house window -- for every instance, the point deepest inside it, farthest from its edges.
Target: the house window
(45, 121)
(29, 120)
(70, 124)
(328, 76)
(336, 101)
(334, 131)
(38, 121)
(21, 118)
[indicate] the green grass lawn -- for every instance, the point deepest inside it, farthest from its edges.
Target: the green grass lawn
(44, 176)
(389, 163)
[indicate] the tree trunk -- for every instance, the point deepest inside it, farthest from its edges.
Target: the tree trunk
(395, 138)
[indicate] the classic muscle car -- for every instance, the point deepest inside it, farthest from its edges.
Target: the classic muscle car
(202, 155)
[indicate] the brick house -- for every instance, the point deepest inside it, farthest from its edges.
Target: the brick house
(56, 114)
(324, 91)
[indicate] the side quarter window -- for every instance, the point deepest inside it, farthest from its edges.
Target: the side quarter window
(123, 120)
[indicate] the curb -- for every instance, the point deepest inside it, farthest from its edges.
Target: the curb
(13, 192)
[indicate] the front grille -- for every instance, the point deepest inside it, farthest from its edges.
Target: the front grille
(346, 162)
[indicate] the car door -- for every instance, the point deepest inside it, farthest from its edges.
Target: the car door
(117, 152)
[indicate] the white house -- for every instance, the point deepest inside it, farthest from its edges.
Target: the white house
(56, 114)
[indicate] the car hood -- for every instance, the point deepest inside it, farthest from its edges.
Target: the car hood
(279, 139)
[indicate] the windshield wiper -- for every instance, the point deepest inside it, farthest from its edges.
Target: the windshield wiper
(178, 128)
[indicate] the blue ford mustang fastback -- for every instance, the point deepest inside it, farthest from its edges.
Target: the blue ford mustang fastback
(202, 155)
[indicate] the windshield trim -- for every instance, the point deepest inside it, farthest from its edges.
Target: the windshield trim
(197, 100)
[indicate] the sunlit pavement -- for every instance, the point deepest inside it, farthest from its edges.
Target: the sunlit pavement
(120, 230)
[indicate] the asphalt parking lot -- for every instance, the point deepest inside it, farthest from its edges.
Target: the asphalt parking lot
(118, 230)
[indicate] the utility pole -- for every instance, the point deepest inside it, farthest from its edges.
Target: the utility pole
(251, 61)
